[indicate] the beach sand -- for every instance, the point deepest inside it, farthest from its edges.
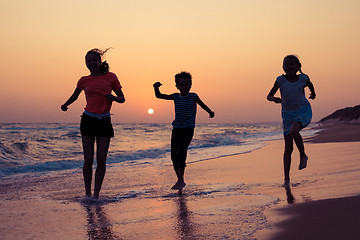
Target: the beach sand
(331, 209)
(233, 197)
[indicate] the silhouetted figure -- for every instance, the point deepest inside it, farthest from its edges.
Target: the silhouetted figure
(184, 123)
(296, 109)
(95, 121)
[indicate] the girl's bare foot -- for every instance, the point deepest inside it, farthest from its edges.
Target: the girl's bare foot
(179, 186)
(303, 162)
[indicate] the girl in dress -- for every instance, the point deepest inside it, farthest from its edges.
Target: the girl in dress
(296, 109)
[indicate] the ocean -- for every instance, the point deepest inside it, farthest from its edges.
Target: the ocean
(42, 186)
(33, 148)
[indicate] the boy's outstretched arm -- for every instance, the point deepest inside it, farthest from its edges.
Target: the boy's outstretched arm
(312, 89)
(272, 92)
(158, 94)
(206, 108)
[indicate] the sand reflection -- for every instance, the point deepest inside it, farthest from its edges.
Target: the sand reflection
(98, 224)
(289, 196)
(184, 227)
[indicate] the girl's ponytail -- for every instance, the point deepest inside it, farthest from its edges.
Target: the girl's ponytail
(296, 59)
(104, 67)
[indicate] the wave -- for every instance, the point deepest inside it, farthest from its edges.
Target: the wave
(41, 167)
(27, 148)
(137, 155)
(218, 139)
(14, 151)
(72, 134)
(9, 165)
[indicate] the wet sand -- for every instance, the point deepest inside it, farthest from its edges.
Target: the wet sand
(234, 197)
(330, 209)
(322, 219)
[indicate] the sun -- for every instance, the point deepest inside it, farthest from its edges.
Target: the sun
(150, 111)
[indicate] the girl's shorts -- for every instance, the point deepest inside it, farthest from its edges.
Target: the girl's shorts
(96, 127)
(302, 115)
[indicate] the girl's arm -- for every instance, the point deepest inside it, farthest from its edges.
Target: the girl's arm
(206, 108)
(312, 89)
(72, 99)
(158, 94)
(119, 98)
(272, 92)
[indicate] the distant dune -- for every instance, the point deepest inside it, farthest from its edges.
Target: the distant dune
(345, 114)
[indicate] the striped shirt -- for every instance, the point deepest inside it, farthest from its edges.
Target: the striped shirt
(185, 110)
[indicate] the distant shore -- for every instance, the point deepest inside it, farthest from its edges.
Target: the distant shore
(336, 131)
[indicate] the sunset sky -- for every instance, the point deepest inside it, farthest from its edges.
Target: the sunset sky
(232, 48)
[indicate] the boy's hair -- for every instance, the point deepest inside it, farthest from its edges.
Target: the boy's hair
(296, 59)
(185, 75)
(104, 67)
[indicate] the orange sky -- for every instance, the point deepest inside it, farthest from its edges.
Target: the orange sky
(232, 48)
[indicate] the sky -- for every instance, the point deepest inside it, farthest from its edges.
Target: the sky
(233, 49)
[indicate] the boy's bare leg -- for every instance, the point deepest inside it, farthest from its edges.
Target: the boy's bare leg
(180, 184)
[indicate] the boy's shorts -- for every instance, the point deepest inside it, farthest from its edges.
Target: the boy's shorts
(95, 127)
(180, 141)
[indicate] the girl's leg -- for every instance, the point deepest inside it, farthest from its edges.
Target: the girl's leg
(295, 133)
(102, 144)
(287, 157)
(88, 148)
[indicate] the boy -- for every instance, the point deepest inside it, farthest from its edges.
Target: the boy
(184, 123)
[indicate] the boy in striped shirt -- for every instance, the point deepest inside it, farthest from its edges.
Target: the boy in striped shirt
(184, 123)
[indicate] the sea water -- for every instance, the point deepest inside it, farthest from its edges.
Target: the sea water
(41, 184)
(52, 147)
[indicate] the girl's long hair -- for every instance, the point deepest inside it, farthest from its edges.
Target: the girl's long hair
(296, 59)
(104, 66)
